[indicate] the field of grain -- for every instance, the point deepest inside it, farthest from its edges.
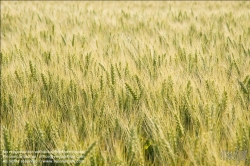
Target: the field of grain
(130, 83)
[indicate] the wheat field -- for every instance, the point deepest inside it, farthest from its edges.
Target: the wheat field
(129, 83)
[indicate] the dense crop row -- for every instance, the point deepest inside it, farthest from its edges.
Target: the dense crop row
(132, 83)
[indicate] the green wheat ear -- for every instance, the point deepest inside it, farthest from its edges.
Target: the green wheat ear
(19, 78)
(81, 159)
(101, 83)
(64, 41)
(7, 144)
(131, 91)
(45, 82)
(73, 41)
(113, 75)
(242, 87)
(33, 71)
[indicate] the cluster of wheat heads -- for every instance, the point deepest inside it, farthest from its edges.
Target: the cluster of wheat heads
(132, 83)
